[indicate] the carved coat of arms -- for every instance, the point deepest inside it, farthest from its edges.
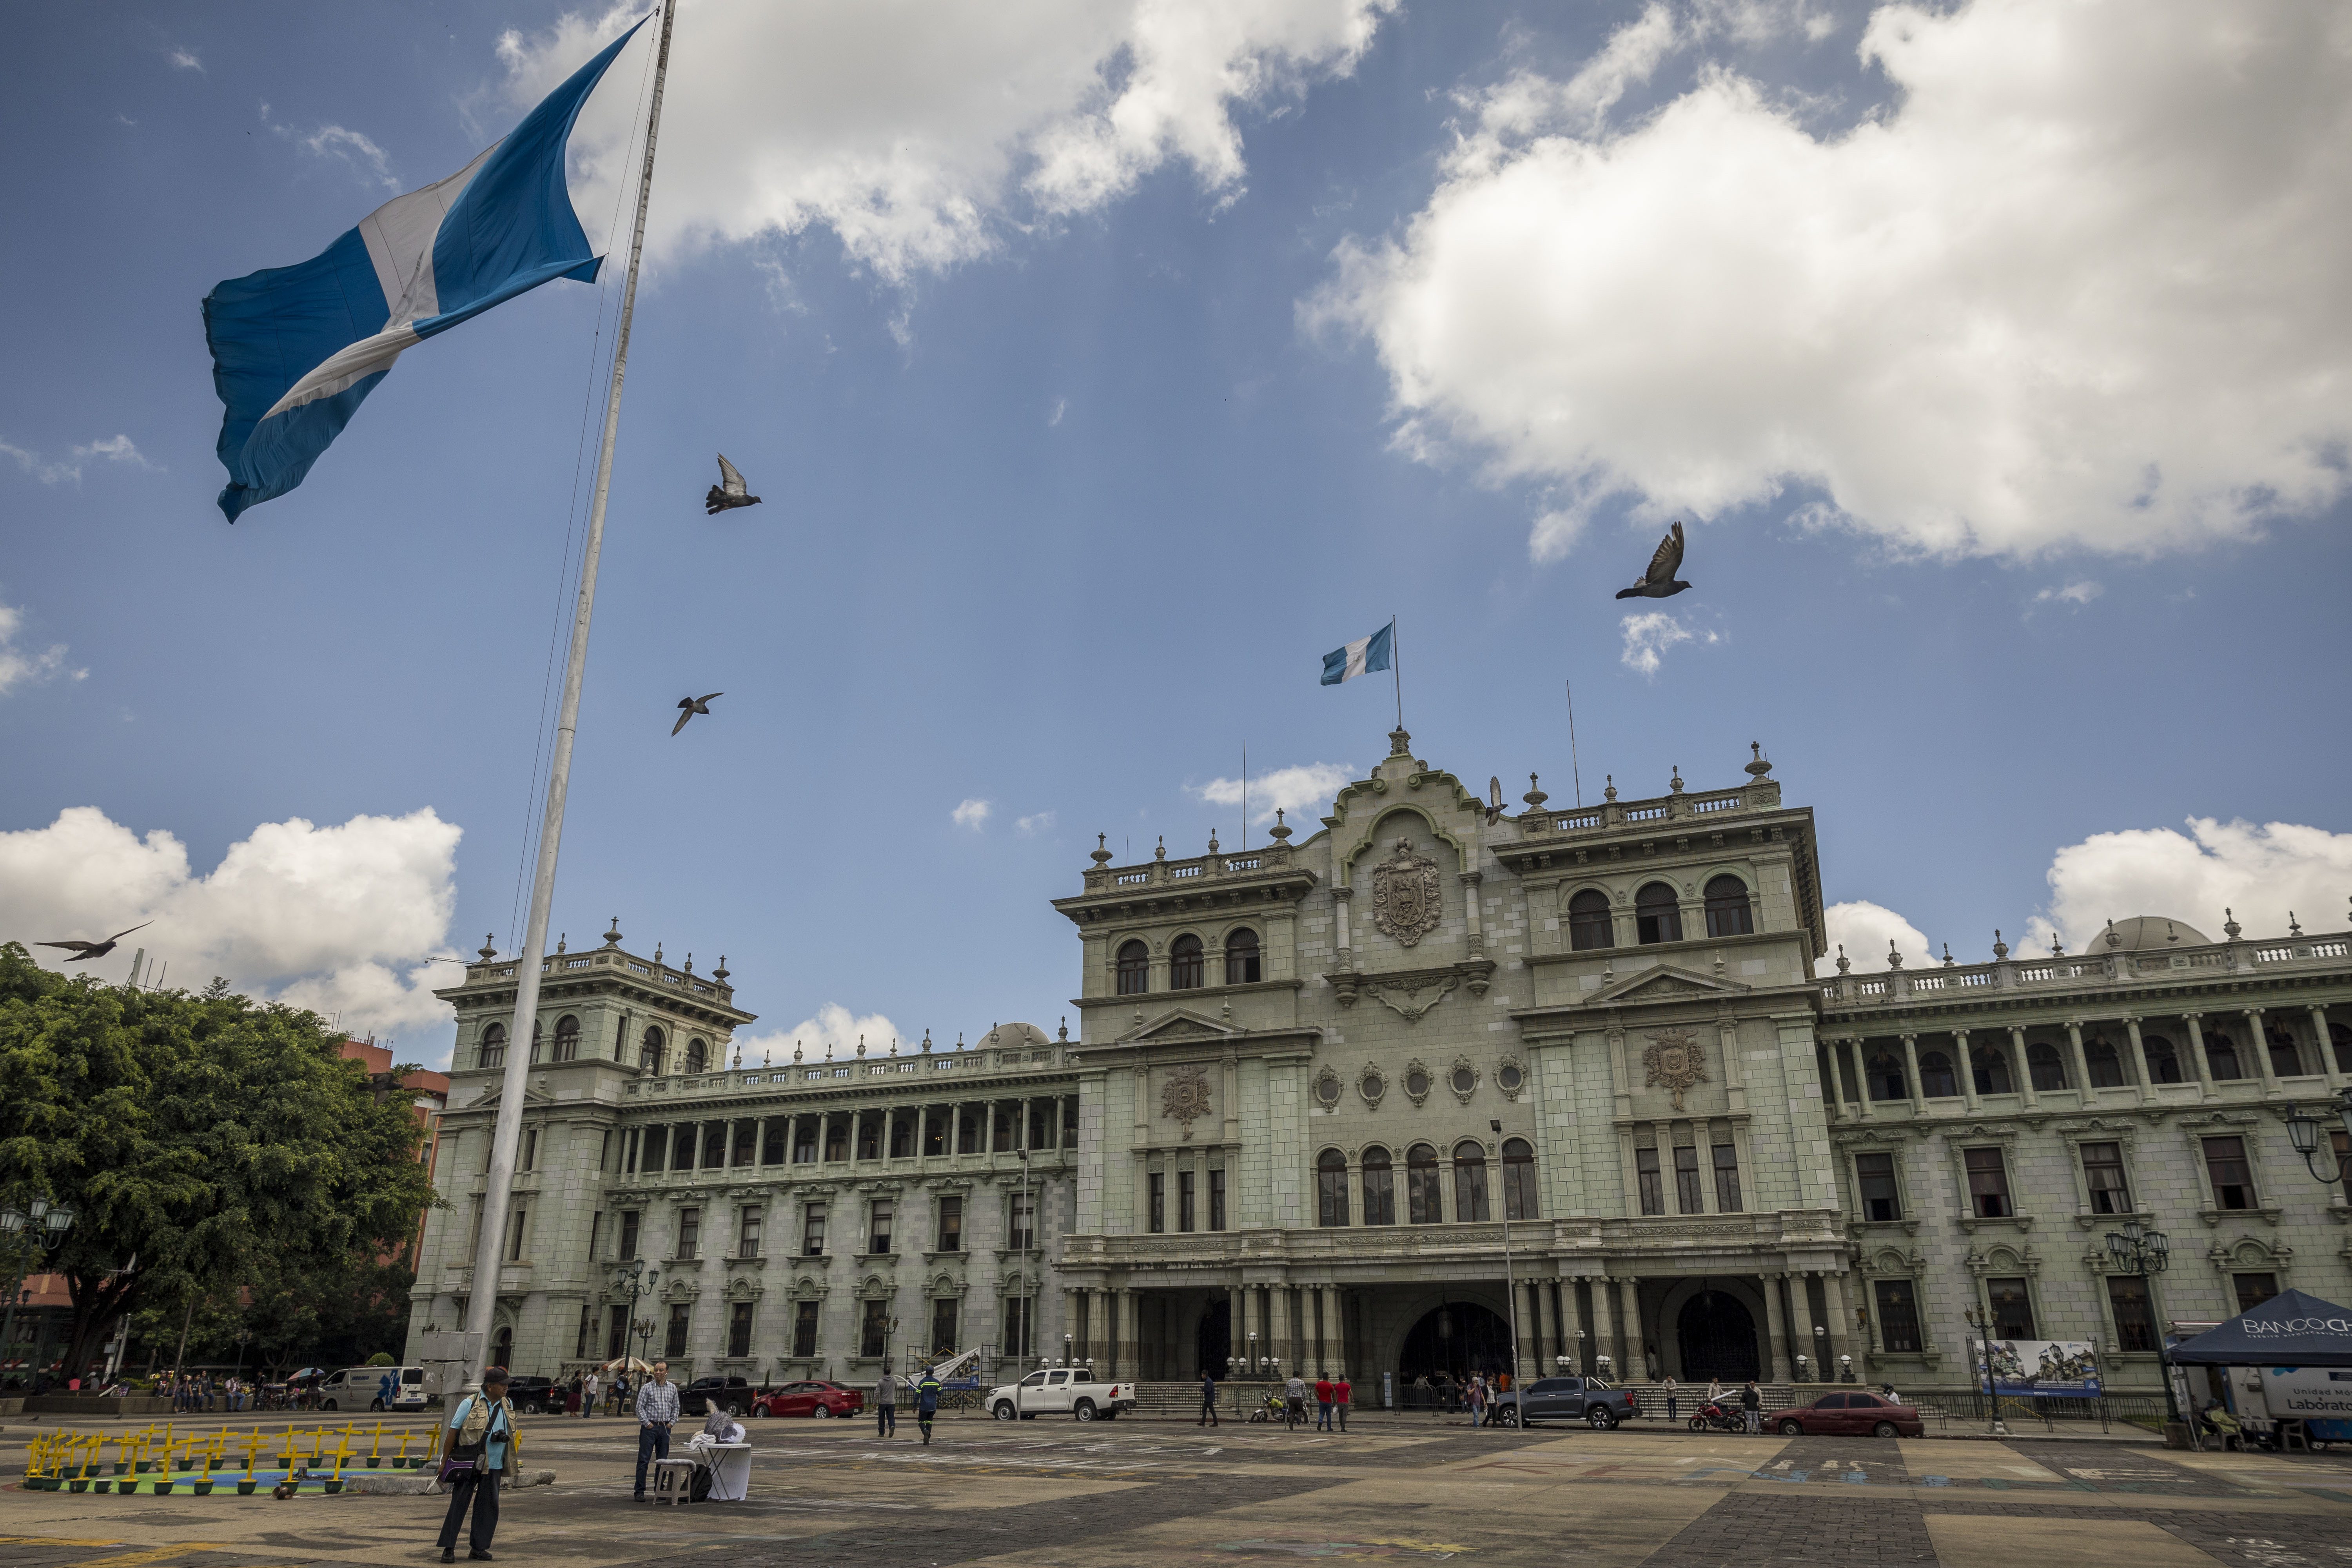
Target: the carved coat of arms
(1675, 1062)
(1404, 895)
(1186, 1095)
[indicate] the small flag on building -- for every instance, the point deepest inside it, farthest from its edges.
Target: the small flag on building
(1363, 655)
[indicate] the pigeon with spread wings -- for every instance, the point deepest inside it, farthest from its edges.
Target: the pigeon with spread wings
(1658, 582)
(729, 491)
(692, 706)
(84, 951)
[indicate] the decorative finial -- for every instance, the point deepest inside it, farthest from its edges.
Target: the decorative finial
(768, 1056)
(1400, 743)
(1162, 852)
(828, 1050)
(959, 1039)
(1894, 959)
(2057, 948)
(1759, 767)
(1533, 797)
(1844, 964)
(1675, 784)
(719, 974)
(689, 963)
(488, 950)
(559, 941)
(796, 1050)
(657, 951)
(1101, 855)
(1066, 1028)
(2171, 934)
(861, 1047)
(1950, 962)
(1999, 948)
(2115, 937)
(2292, 928)
(1281, 831)
(2230, 926)
(927, 1039)
(612, 937)
(739, 1056)
(1212, 841)
(1611, 793)
(894, 1045)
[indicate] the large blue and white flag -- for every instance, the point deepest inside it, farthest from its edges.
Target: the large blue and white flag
(296, 350)
(1362, 654)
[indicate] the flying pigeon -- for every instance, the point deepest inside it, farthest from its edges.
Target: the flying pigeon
(1494, 800)
(84, 951)
(692, 705)
(1658, 582)
(729, 491)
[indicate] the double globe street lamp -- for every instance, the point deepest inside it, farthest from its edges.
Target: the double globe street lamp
(2139, 1250)
(47, 1224)
(634, 1279)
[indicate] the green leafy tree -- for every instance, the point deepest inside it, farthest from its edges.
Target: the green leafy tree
(207, 1145)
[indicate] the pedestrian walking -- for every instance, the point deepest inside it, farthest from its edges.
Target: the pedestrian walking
(1751, 1406)
(588, 1387)
(656, 1411)
(1478, 1399)
(1673, 1410)
(575, 1399)
(927, 1402)
(1208, 1399)
(886, 1406)
(476, 1455)
(1294, 1401)
(1341, 1396)
(1322, 1404)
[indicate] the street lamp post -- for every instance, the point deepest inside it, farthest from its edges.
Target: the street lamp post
(2304, 1132)
(1579, 1353)
(49, 1223)
(1510, 1281)
(636, 1280)
(2146, 1253)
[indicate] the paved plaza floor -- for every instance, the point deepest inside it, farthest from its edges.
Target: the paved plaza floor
(1054, 1494)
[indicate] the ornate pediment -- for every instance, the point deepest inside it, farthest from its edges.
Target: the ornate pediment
(1179, 1024)
(1663, 983)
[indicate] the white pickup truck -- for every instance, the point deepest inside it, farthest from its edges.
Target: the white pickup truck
(1061, 1391)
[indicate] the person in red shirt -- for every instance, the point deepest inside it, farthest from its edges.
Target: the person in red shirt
(1343, 1394)
(1323, 1404)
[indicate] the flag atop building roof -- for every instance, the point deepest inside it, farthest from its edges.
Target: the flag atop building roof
(1360, 656)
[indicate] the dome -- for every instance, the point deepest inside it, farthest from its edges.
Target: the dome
(1015, 1037)
(2145, 933)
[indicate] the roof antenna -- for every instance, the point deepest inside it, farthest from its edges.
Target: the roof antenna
(1574, 776)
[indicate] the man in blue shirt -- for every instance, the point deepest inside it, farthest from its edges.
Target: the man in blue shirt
(927, 1402)
(656, 1410)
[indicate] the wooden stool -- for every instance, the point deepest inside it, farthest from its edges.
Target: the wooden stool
(673, 1481)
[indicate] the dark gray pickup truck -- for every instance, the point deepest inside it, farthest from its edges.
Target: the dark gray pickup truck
(1585, 1399)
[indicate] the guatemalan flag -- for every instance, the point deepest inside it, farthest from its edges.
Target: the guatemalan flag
(1363, 654)
(296, 350)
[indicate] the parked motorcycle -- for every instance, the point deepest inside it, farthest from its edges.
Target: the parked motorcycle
(1714, 1417)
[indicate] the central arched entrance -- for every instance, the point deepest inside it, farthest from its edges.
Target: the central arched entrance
(1212, 1346)
(1457, 1339)
(1718, 1337)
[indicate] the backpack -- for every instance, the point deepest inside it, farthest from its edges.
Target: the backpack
(698, 1488)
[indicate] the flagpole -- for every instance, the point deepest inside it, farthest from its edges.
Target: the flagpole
(481, 1308)
(1396, 668)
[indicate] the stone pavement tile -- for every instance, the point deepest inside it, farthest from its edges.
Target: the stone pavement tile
(1977, 1540)
(1973, 1462)
(1822, 1528)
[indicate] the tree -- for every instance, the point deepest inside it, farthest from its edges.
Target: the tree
(204, 1143)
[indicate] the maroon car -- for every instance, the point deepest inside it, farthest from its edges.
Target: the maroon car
(819, 1399)
(1851, 1416)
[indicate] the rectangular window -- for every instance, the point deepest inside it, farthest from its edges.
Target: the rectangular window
(1331, 1188)
(1727, 1178)
(1217, 1197)
(714, 1146)
(587, 1327)
(529, 1150)
(772, 1139)
(813, 1231)
(1874, 1174)
(836, 1138)
(629, 1223)
(1007, 1126)
(516, 1228)
(653, 1145)
(968, 1131)
(2103, 1171)
(738, 1330)
(805, 1140)
(1041, 1124)
(1184, 1202)
(1380, 1189)
(879, 1233)
(943, 1326)
(2134, 1323)
(747, 1143)
(1898, 1315)
(951, 1225)
(2012, 1310)
(1988, 1188)
(1070, 1121)
(689, 1233)
(674, 1343)
(1155, 1204)
(617, 1334)
(2253, 1290)
(1025, 1222)
(747, 1232)
(1015, 1319)
(874, 1330)
(935, 1133)
(803, 1329)
(1686, 1189)
(2233, 1182)
(1646, 1172)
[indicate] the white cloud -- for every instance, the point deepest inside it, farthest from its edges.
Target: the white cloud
(185, 59)
(972, 814)
(1863, 930)
(1306, 785)
(1043, 822)
(113, 448)
(2076, 594)
(2262, 872)
(354, 149)
(21, 666)
(923, 136)
(1647, 638)
(2077, 286)
(336, 919)
(834, 1025)
(1060, 406)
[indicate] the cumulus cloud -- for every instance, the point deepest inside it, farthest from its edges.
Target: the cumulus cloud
(25, 666)
(337, 919)
(1304, 784)
(2074, 594)
(923, 136)
(972, 814)
(1863, 930)
(113, 448)
(2261, 871)
(1042, 822)
(1650, 634)
(834, 1025)
(2076, 285)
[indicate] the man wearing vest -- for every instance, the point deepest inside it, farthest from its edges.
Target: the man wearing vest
(927, 1402)
(481, 1449)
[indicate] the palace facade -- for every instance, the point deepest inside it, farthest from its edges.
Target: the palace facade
(1437, 1076)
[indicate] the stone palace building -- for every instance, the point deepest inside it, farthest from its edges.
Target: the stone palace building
(1434, 1077)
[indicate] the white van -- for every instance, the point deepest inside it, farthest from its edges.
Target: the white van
(363, 1388)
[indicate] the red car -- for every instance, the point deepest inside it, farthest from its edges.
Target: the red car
(1851, 1416)
(821, 1400)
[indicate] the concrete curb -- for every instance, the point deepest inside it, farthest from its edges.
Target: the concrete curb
(417, 1484)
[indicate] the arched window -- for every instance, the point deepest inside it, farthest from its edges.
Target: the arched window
(1242, 967)
(1188, 968)
(2286, 1061)
(534, 1040)
(1518, 1179)
(1423, 1204)
(649, 1054)
(1657, 917)
(1469, 1182)
(1331, 1188)
(697, 1056)
(1134, 968)
(2220, 1056)
(1885, 1071)
(2042, 1065)
(1380, 1187)
(1937, 1079)
(1990, 1066)
(2341, 1038)
(1729, 912)
(1588, 923)
(567, 1039)
(494, 1046)
(2163, 1060)
(2107, 1065)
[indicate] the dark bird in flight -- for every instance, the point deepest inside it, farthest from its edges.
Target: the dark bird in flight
(1658, 582)
(729, 491)
(84, 951)
(1494, 799)
(692, 705)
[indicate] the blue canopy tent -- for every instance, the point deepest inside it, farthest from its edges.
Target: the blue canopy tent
(2291, 1329)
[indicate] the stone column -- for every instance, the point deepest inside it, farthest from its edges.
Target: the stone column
(1911, 1069)
(1338, 1332)
(2328, 1063)
(2020, 1066)
(1530, 1366)
(2082, 1062)
(2197, 1054)
(2139, 1059)
(1470, 881)
(1861, 1072)
(1252, 1322)
(1833, 1302)
(1632, 1360)
(1968, 1070)
(1340, 894)
(1776, 1331)
(2261, 1046)
(1235, 1345)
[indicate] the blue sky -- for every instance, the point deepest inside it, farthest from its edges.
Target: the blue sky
(1098, 382)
